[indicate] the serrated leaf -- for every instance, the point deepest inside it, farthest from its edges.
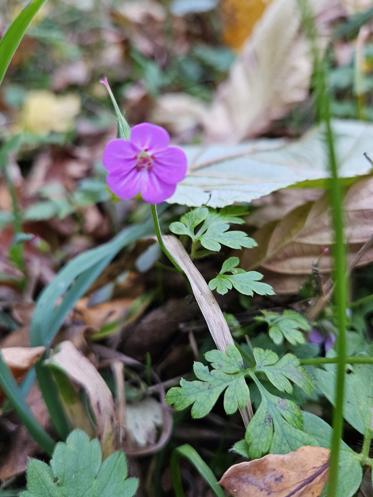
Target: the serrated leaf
(276, 426)
(289, 326)
(204, 392)
(249, 283)
(281, 372)
(213, 228)
(246, 283)
(76, 470)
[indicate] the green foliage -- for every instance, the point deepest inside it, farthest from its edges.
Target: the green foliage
(359, 393)
(245, 282)
(211, 229)
(281, 372)
(15, 33)
(76, 470)
(227, 374)
(288, 325)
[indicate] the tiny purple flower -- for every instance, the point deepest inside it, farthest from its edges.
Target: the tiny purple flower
(326, 339)
(144, 164)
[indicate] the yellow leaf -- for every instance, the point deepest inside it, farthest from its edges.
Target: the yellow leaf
(44, 112)
(239, 19)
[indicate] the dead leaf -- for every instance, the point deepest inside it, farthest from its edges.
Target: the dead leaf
(355, 6)
(22, 445)
(81, 371)
(302, 240)
(98, 315)
(20, 360)
(271, 75)
(302, 473)
(143, 420)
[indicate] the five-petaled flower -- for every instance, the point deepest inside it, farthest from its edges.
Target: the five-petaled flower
(144, 164)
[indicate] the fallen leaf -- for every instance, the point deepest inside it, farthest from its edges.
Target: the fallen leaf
(302, 473)
(22, 445)
(271, 75)
(20, 360)
(220, 175)
(355, 6)
(302, 240)
(143, 420)
(98, 315)
(81, 371)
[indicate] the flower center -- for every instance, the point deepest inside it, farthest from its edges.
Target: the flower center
(144, 161)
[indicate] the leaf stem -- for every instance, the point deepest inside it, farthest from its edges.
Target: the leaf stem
(334, 360)
(158, 232)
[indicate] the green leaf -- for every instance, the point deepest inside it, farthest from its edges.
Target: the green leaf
(351, 473)
(16, 31)
(76, 470)
(195, 459)
(246, 283)
(358, 396)
(281, 372)
(227, 375)
(211, 228)
(277, 426)
(289, 325)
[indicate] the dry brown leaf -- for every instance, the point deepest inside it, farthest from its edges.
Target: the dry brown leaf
(302, 473)
(98, 315)
(271, 75)
(354, 6)
(82, 372)
(302, 240)
(22, 445)
(20, 360)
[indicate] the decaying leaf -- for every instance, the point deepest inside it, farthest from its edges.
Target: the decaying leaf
(271, 75)
(20, 360)
(302, 240)
(82, 372)
(142, 421)
(220, 175)
(302, 473)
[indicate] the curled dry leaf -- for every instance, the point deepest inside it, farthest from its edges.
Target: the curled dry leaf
(82, 372)
(302, 473)
(20, 360)
(302, 240)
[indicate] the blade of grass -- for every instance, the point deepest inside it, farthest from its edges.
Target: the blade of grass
(16, 399)
(339, 249)
(187, 452)
(14, 34)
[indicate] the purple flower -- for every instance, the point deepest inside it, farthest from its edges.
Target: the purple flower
(327, 339)
(145, 164)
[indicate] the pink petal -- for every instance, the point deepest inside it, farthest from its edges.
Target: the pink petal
(126, 185)
(119, 156)
(154, 190)
(147, 136)
(170, 165)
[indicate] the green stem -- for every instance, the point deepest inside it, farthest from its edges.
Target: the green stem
(318, 361)
(340, 292)
(158, 232)
(366, 446)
